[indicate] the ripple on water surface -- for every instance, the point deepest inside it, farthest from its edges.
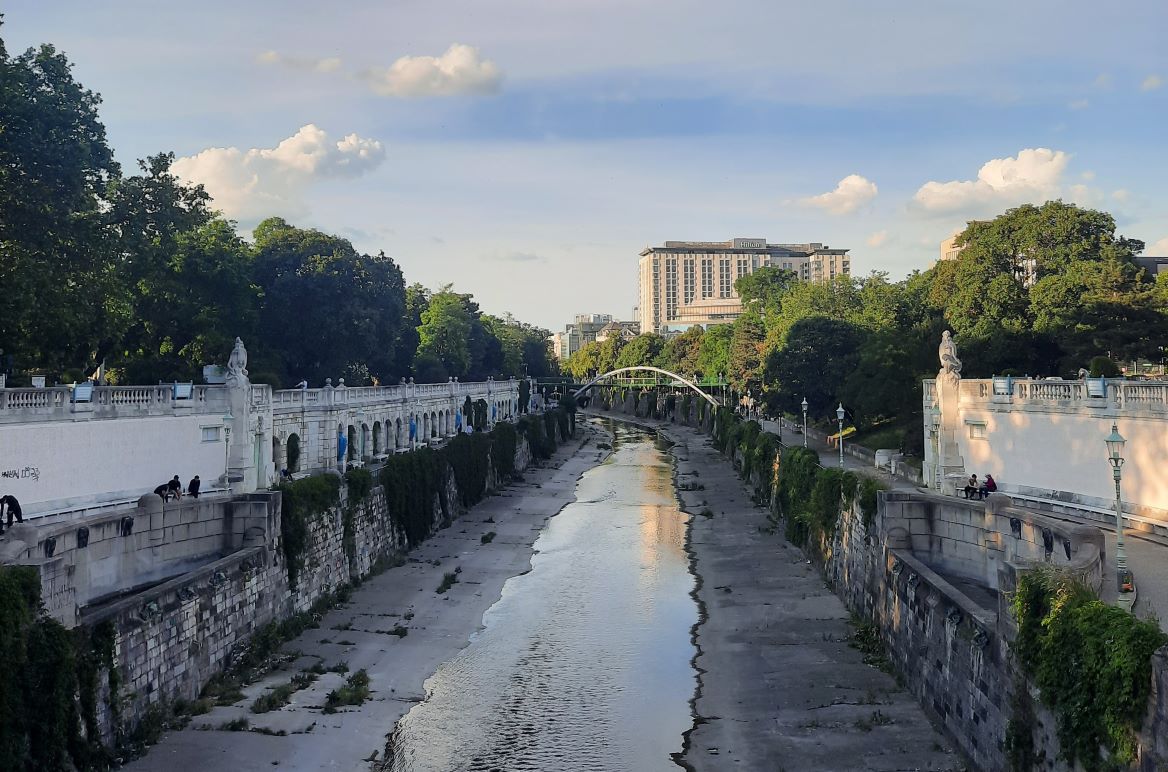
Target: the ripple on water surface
(584, 663)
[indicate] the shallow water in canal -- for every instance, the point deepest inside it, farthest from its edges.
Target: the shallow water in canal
(584, 662)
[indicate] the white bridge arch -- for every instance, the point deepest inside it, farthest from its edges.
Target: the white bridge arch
(647, 368)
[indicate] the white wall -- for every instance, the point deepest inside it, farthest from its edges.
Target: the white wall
(67, 463)
(1064, 451)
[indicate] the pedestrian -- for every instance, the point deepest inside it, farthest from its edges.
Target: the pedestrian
(193, 487)
(174, 488)
(302, 385)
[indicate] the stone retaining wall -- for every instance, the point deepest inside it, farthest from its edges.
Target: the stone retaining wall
(173, 638)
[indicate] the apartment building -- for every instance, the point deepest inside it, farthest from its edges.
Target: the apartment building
(684, 283)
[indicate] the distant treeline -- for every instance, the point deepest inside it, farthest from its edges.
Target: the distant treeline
(141, 272)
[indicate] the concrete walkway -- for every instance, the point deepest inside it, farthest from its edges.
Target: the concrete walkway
(782, 688)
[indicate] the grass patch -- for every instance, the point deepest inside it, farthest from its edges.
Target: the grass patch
(354, 692)
(488, 537)
(235, 725)
(282, 694)
(448, 581)
(866, 639)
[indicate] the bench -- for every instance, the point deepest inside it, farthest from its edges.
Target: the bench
(83, 392)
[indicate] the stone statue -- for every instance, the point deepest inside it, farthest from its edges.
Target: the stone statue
(947, 352)
(237, 364)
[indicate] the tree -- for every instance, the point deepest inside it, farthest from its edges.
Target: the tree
(744, 366)
(585, 361)
(818, 357)
(766, 286)
(641, 350)
(445, 332)
(327, 310)
(714, 351)
(57, 271)
(680, 353)
(608, 352)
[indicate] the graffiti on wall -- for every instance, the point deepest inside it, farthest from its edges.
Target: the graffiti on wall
(28, 473)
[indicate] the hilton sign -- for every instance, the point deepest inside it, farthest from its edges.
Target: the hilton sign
(750, 243)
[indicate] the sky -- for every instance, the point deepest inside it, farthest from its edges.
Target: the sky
(527, 150)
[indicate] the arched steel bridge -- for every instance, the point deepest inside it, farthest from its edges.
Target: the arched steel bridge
(676, 380)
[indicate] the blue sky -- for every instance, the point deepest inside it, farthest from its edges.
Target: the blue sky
(527, 150)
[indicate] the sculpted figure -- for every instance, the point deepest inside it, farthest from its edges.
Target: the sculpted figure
(237, 363)
(947, 352)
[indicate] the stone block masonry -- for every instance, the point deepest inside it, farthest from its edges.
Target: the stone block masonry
(172, 639)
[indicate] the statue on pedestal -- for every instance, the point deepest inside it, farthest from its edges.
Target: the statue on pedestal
(947, 352)
(237, 365)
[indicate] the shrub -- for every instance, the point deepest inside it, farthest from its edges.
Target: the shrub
(868, 490)
(468, 456)
(412, 481)
(360, 483)
(1103, 367)
(1091, 662)
(354, 692)
(504, 440)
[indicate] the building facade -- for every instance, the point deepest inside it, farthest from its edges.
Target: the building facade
(684, 283)
(582, 330)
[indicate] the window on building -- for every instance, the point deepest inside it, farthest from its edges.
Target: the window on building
(689, 279)
(707, 278)
(977, 431)
(726, 286)
(210, 433)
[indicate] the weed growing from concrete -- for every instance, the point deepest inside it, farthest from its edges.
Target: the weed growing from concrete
(488, 537)
(448, 581)
(282, 694)
(354, 692)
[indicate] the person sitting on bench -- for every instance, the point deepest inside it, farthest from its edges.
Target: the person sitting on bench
(988, 487)
(973, 487)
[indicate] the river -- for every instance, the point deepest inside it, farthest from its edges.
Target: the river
(584, 663)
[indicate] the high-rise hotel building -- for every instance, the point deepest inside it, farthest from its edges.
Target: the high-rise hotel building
(692, 282)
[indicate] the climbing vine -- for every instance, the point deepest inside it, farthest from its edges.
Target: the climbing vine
(867, 494)
(504, 440)
(469, 458)
(301, 501)
(412, 483)
(1091, 662)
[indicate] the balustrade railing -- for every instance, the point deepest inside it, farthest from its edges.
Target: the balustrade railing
(1092, 392)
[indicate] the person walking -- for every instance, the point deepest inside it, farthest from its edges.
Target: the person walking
(193, 487)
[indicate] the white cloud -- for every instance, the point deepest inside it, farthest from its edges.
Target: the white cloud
(1034, 175)
(1158, 248)
(461, 70)
(1121, 195)
(1079, 104)
(1088, 175)
(1151, 83)
(328, 64)
(260, 182)
(1103, 80)
(877, 239)
(850, 194)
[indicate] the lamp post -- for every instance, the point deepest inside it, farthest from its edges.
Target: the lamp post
(805, 422)
(839, 414)
(1115, 443)
(935, 433)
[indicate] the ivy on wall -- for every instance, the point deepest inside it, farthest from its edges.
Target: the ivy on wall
(412, 482)
(469, 458)
(1092, 663)
(504, 442)
(49, 682)
(301, 501)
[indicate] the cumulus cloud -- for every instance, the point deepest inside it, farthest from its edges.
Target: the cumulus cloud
(1151, 83)
(1034, 175)
(1158, 248)
(251, 184)
(461, 70)
(850, 194)
(328, 64)
(877, 239)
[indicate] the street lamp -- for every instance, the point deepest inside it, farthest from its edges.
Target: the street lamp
(839, 413)
(935, 433)
(1115, 443)
(805, 422)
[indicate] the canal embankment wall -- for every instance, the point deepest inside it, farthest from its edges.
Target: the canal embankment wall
(172, 639)
(952, 651)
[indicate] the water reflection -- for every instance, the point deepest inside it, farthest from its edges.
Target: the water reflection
(584, 663)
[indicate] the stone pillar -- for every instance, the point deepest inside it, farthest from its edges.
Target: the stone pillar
(240, 448)
(952, 465)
